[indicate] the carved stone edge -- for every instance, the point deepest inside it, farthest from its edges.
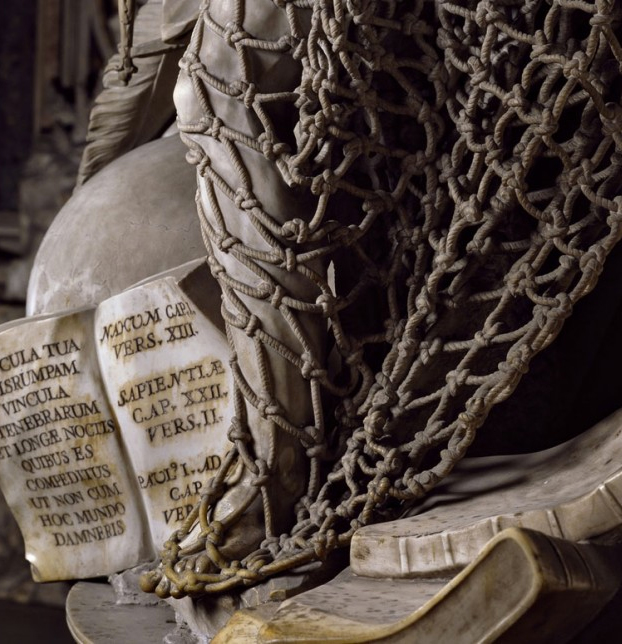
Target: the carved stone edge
(402, 550)
(523, 586)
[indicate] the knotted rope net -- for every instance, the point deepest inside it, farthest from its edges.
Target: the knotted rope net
(458, 167)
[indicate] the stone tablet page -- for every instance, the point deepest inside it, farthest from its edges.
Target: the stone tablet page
(62, 468)
(165, 368)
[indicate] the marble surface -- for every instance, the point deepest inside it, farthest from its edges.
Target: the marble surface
(94, 617)
(61, 466)
(573, 491)
(164, 362)
(523, 587)
(133, 219)
(112, 421)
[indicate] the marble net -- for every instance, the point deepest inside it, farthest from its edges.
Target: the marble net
(464, 164)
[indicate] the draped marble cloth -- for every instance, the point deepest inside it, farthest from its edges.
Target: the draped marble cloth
(449, 187)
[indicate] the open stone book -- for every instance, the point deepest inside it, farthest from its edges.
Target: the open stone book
(91, 402)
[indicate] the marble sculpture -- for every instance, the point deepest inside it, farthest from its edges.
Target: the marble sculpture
(402, 202)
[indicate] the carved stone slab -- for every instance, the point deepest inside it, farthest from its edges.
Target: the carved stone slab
(165, 367)
(61, 465)
(94, 617)
(112, 421)
(573, 491)
(523, 587)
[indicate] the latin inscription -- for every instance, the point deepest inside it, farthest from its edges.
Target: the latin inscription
(168, 381)
(59, 455)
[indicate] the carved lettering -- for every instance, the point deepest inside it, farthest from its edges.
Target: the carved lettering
(181, 331)
(34, 376)
(172, 427)
(89, 535)
(179, 309)
(59, 452)
(178, 513)
(68, 477)
(160, 384)
(33, 399)
(210, 464)
(129, 324)
(18, 359)
(135, 345)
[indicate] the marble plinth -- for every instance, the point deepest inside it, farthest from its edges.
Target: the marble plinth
(523, 587)
(94, 617)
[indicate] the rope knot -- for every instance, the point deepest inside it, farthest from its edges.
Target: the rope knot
(574, 67)
(237, 432)
(328, 304)
(486, 14)
(316, 451)
(391, 464)
(214, 130)
(245, 200)
(233, 33)
(471, 210)
(515, 99)
(310, 368)
(317, 126)
(195, 156)
(563, 309)
(520, 280)
(325, 183)
(456, 379)
(324, 543)
(592, 261)
(374, 423)
(277, 296)
(269, 148)
(600, 20)
(225, 243)
(411, 24)
(423, 302)
(214, 533)
(262, 476)
(547, 126)
(289, 261)
(264, 406)
(252, 325)
(244, 92)
(295, 230)
(378, 492)
(427, 349)
(478, 73)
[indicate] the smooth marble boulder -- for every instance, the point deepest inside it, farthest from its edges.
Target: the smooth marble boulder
(135, 218)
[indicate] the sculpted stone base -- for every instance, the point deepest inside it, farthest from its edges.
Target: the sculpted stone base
(523, 587)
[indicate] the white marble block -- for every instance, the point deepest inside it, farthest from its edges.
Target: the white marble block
(112, 420)
(165, 368)
(62, 469)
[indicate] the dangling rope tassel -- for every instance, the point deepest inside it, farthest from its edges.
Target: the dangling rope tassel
(127, 15)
